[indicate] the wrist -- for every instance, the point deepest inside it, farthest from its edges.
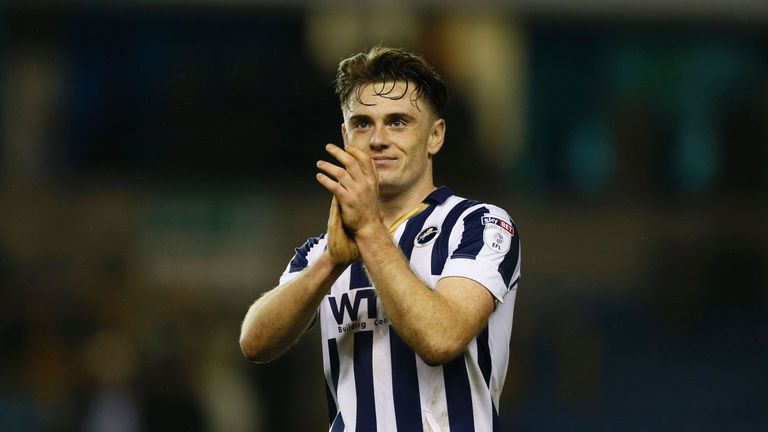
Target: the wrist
(371, 234)
(334, 267)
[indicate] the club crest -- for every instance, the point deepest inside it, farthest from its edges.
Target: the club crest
(426, 236)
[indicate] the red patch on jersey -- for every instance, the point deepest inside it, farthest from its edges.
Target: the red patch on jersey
(506, 226)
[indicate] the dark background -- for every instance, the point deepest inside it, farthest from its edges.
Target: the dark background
(156, 170)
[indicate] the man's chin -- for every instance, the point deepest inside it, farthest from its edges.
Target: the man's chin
(385, 181)
(388, 188)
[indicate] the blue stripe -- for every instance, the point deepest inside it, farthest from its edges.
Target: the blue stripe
(484, 355)
(332, 409)
(357, 276)
(508, 264)
(333, 359)
(495, 419)
(333, 356)
(338, 423)
(472, 236)
(440, 250)
(458, 395)
(299, 261)
(363, 358)
(405, 384)
(412, 229)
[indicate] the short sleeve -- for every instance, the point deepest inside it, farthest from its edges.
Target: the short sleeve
(303, 257)
(485, 247)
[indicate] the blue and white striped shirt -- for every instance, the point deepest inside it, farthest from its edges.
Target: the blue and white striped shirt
(374, 381)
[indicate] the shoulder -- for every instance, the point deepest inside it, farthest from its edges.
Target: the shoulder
(312, 242)
(477, 212)
(482, 244)
(305, 254)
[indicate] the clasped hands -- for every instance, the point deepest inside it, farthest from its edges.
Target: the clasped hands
(355, 203)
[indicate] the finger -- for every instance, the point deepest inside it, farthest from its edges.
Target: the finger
(332, 170)
(359, 165)
(333, 187)
(351, 164)
(365, 161)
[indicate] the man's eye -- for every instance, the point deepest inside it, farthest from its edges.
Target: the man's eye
(361, 124)
(398, 122)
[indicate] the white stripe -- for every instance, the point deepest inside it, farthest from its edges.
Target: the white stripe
(432, 395)
(499, 330)
(382, 379)
(481, 404)
(348, 392)
(421, 263)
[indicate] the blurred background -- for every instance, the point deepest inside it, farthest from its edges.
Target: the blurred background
(156, 172)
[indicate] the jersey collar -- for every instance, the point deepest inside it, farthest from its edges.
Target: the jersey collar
(438, 196)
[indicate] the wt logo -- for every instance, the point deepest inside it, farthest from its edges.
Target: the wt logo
(351, 307)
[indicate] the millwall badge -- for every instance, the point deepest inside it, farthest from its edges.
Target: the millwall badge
(497, 233)
(426, 236)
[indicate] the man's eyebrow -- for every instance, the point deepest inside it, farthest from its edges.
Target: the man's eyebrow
(404, 116)
(358, 117)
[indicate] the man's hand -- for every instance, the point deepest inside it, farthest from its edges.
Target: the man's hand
(356, 187)
(341, 246)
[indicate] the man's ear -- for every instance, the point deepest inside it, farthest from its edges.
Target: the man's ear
(436, 137)
(344, 134)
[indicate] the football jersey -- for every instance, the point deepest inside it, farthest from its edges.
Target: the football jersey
(374, 380)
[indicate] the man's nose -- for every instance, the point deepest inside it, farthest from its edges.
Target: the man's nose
(379, 137)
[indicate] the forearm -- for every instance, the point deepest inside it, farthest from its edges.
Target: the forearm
(276, 320)
(425, 319)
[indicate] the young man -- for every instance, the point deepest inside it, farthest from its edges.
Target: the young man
(413, 287)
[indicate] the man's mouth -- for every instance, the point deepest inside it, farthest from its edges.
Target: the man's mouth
(383, 161)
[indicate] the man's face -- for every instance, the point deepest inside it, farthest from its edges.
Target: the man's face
(401, 135)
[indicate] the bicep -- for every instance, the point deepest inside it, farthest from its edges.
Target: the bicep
(469, 301)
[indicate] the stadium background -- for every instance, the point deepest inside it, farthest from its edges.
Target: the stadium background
(156, 170)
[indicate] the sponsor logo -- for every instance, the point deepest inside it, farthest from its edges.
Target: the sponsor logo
(426, 236)
(350, 313)
(497, 233)
(501, 223)
(351, 308)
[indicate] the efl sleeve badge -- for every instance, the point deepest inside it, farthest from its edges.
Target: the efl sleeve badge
(497, 233)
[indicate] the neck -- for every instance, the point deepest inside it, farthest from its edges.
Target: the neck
(395, 204)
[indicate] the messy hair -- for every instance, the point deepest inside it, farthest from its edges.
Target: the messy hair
(383, 67)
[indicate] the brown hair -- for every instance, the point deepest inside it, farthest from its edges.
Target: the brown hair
(388, 65)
